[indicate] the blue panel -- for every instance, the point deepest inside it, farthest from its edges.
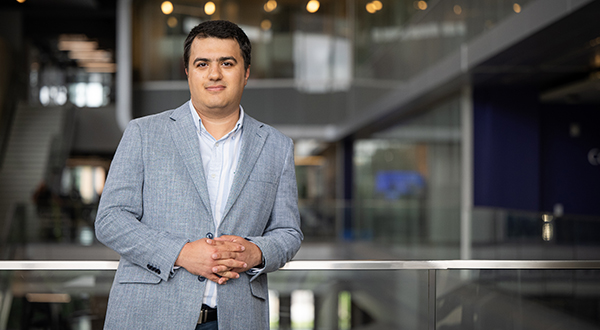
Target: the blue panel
(506, 148)
(568, 176)
(396, 184)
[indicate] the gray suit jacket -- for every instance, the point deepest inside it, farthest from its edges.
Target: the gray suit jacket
(156, 199)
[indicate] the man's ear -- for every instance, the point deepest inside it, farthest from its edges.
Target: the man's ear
(186, 72)
(247, 75)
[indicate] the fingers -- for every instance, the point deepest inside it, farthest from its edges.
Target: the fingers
(225, 245)
(220, 269)
(226, 238)
(228, 251)
(228, 274)
(218, 260)
(222, 277)
(218, 280)
(215, 278)
(224, 255)
(230, 238)
(229, 268)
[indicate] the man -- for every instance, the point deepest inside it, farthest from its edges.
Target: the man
(200, 202)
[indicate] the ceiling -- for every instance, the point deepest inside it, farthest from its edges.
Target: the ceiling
(560, 60)
(43, 21)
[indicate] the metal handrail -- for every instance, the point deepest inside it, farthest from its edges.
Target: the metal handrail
(299, 265)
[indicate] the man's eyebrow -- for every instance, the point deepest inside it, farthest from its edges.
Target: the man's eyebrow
(227, 58)
(197, 59)
(221, 59)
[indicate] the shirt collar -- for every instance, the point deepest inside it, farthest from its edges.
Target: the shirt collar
(200, 127)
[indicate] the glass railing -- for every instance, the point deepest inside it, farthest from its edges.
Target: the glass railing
(343, 294)
(421, 34)
(407, 229)
(61, 232)
(516, 234)
(396, 42)
(353, 56)
(411, 228)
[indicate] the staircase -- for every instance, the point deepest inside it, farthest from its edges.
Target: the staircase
(27, 154)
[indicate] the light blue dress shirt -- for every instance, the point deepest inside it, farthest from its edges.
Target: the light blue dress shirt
(220, 160)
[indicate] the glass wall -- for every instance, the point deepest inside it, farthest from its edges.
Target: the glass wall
(407, 184)
(310, 66)
(405, 38)
(524, 235)
(318, 182)
(332, 40)
(287, 40)
(73, 69)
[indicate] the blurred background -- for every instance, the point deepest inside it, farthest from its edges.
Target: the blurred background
(440, 129)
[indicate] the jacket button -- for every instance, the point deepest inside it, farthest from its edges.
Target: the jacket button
(210, 235)
(201, 278)
(149, 267)
(158, 271)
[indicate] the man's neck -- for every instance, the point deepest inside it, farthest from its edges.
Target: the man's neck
(219, 126)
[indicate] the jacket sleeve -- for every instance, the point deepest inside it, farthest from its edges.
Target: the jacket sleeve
(282, 236)
(119, 222)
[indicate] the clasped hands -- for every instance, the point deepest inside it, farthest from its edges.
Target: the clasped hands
(219, 259)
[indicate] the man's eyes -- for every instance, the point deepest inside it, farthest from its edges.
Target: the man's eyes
(204, 64)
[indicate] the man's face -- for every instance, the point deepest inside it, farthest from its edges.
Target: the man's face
(216, 76)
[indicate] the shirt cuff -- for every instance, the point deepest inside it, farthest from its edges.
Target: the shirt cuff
(255, 270)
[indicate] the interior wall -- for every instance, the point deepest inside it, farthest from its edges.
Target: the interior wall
(535, 157)
(570, 171)
(506, 148)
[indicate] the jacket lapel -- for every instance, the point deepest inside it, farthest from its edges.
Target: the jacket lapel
(252, 144)
(185, 139)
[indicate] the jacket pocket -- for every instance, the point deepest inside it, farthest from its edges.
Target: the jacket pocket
(258, 287)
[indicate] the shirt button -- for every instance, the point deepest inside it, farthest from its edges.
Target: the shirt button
(201, 278)
(217, 144)
(210, 235)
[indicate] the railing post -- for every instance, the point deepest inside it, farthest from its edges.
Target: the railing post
(124, 64)
(466, 186)
(431, 299)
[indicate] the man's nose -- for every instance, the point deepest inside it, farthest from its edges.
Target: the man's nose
(214, 72)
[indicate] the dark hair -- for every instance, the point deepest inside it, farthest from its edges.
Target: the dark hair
(218, 29)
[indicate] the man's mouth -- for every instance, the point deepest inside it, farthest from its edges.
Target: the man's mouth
(215, 88)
